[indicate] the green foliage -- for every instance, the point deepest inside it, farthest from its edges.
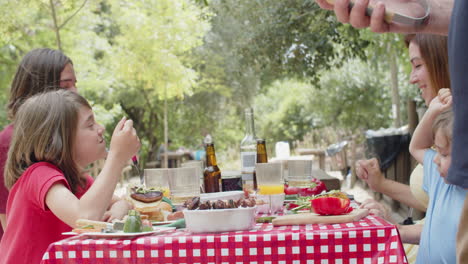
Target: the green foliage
(151, 46)
(262, 41)
(299, 68)
(353, 97)
(146, 55)
(282, 112)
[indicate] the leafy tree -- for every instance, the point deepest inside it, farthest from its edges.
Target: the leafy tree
(282, 113)
(30, 24)
(354, 97)
(262, 41)
(149, 42)
(209, 60)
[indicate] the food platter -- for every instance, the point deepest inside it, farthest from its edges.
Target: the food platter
(157, 230)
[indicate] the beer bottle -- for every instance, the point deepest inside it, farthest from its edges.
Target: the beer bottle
(248, 151)
(262, 157)
(212, 174)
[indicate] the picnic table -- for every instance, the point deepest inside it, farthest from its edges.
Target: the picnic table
(370, 240)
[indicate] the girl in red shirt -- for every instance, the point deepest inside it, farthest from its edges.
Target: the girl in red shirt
(40, 70)
(55, 139)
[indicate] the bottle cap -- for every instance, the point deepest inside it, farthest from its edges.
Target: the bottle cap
(208, 139)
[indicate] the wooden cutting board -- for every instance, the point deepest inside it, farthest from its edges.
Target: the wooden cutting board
(313, 218)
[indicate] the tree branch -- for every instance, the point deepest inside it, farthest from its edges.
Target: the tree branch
(74, 14)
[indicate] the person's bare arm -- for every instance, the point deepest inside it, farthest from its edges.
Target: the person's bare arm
(3, 220)
(423, 137)
(437, 22)
(369, 171)
(410, 234)
(402, 193)
(92, 205)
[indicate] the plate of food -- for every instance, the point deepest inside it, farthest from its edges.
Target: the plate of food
(150, 202)
(119, 234)
(133, 226)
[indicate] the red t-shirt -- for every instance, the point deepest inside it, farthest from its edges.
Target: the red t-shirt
(5, 139)
(31, 226)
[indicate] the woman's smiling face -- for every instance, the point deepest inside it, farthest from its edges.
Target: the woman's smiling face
(419, 74)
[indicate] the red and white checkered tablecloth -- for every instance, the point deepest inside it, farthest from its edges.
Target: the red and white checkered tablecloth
(371, 240)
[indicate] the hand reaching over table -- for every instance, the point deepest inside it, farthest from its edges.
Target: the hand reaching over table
(117, 210)
(376, 208)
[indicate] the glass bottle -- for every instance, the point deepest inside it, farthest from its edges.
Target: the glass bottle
(262, 157)
(248, 151)
(212, 173)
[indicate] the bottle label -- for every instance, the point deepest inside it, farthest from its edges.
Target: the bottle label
(248, 160)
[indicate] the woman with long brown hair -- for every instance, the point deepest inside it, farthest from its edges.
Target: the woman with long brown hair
(429, 71)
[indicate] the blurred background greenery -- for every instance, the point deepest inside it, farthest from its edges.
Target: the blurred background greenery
(300, 70)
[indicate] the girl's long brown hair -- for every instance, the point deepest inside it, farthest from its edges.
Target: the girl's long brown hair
(45, 128)
(39, 71)
(434, 52)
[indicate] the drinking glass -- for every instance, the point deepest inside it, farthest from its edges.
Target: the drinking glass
(299, 173)
(271, 184)
(184, 184)
(199, 165)
(159, 179)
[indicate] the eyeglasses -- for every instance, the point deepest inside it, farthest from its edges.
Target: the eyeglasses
(67, 83)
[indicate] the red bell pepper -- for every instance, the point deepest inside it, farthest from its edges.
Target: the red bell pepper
(327, 205)
(292, 206)
(289, 190)
(316, 187)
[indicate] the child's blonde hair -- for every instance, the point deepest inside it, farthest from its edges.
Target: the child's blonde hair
(444, 123)
(45, 128)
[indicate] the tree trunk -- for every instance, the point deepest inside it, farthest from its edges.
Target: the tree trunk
(165, 163)
(394, 80)
(412, 116)
(56, 26)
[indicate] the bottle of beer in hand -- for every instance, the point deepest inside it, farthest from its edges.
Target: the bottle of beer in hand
(212, 174)
(262, 157)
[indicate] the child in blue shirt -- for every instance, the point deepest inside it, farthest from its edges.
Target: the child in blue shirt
(437, 237)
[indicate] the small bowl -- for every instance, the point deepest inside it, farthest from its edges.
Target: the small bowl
(220, 220)
(231, 195)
